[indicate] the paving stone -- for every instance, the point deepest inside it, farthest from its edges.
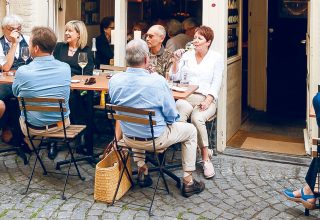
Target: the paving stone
(242, 189)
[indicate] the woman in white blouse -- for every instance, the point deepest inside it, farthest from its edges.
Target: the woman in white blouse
(204, 68)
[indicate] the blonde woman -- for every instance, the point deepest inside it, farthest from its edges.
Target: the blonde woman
(76, 37)
(75, 41)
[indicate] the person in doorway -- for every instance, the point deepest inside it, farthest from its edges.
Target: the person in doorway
(132, 89)
(160, 58)
(204, 68)
(104, 49)
(10, 46)
(44, 77)
(306, 195)
(76, 37)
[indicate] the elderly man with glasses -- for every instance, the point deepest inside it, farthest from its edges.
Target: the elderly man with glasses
(10, 46)
(160, 58)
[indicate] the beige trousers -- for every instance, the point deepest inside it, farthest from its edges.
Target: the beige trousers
(177, 132)
(189, 109)
(35, 132)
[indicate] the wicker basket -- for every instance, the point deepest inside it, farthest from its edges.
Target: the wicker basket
(107, 177)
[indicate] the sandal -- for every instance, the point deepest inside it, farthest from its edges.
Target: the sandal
(289, 195)
(304, 200)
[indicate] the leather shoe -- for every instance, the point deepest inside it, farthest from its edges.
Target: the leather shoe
(195, 188)
(53, 150)
(144, 180)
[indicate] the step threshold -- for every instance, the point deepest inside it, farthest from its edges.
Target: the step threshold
(268, 156)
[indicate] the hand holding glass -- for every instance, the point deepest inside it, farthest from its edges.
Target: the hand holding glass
(82, 61)
(25, 54)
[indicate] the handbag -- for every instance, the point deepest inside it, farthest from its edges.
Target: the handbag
(107, 175)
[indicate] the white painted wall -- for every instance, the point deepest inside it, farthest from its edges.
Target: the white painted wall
(216, 18)
(314, 56)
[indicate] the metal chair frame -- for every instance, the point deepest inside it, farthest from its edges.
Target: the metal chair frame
(34, 104)
(158, 162)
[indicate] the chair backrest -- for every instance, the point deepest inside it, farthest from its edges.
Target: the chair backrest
(113, 68)
(34, 104)
(136, 116)
(42, 105)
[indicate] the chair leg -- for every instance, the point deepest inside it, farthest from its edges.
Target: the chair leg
(126, 168)
(306, 212)
(31, 175)
(161, 169)
(38, 156)
(155, 190)
(124, 161)
(72, 159)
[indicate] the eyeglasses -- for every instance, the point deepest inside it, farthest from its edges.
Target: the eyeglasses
(149, 35)
(10, 28)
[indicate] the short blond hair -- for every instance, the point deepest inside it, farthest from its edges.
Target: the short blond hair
(81, 29)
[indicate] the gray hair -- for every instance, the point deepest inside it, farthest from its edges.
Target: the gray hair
(11, 19)
(136, 51)
(174, 27)
(160, 30)
(190, 23)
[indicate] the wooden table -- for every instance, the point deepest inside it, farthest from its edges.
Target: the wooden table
(102, 85)
(6, 79)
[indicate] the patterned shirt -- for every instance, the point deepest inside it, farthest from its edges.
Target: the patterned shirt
(163, 61)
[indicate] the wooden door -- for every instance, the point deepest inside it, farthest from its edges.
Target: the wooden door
(257, 54)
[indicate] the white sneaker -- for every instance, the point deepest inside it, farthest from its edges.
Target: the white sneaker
(208, 169)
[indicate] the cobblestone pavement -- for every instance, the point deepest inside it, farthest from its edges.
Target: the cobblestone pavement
(241, 189)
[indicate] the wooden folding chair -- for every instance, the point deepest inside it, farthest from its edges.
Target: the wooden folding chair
(156, 157)
(65, 135)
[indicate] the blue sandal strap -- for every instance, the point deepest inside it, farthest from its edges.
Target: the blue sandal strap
(306, 197)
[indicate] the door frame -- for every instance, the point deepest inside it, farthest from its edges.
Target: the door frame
(313, 57)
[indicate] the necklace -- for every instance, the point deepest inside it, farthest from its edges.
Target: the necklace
(73, 50)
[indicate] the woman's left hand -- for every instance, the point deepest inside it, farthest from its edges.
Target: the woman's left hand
(203, 106)
(206, 103)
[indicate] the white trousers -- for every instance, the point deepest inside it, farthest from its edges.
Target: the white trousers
(189, 109)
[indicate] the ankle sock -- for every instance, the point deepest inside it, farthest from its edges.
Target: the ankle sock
(142, 166)
(187, 178)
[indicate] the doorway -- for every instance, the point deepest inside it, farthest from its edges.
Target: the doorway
(277, 127)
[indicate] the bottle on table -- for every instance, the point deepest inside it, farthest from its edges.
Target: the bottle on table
(184, 73)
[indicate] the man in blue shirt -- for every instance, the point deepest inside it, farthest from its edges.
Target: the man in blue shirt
(44, 77)
(139, 89)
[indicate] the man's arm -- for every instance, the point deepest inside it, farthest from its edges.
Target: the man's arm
(169, 109)
(10, 56)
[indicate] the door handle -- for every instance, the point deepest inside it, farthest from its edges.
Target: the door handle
(303, 41)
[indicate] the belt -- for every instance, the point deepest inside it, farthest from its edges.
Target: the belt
(42, 127)
(140, 139)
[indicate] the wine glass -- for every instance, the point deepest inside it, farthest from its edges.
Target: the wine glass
(189, 46)
(25, 54)
(82, 61)
(3, 60)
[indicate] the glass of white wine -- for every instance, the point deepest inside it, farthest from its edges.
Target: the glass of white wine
(82, 61)
(25, 54)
